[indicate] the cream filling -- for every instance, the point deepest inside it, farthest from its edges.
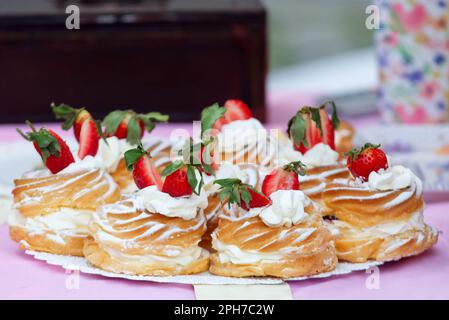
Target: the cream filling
(173, 256)
(233, 254)
(415, 222)
(65, 222)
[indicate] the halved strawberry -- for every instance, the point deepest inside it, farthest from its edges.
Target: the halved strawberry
(258, 200)
(284, 178)
(177, 184)
(54, 152)
(143, 170)
(89, 138)
(361, 162)
(127, 124)
(207, 159)
(311, 126)
(237, 110)
(73, 117)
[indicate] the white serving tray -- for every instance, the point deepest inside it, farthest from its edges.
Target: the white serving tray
(81, 264)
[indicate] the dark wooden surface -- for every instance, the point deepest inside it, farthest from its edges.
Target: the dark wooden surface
(171, 56)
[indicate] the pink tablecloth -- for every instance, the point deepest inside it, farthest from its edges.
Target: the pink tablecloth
(422, 277)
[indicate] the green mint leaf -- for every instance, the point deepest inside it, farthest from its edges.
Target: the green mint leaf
(64, 111)
(134, 130)
(172, 167)
(315, 114)
(246, 196)
(150, 118)
(297, 130)
(227, 182)
(133, 155)
(335, 120)
(209, 116)
(112, 121)
(193, 181)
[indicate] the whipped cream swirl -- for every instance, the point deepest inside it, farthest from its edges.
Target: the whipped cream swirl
(238, 134)
(286, 209)
(160, 202)
(393, 178)
(318, 156)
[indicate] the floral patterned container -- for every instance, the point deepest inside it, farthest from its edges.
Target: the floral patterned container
(413, 56)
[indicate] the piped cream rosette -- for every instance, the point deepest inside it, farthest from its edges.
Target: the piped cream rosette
(284, 239)
(246, 142)
(381, 219)
(52, 211)
(150, 233)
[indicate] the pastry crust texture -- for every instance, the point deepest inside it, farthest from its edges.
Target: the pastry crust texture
(378, 225)
(128, 239)
(300, 250)
(43, 202)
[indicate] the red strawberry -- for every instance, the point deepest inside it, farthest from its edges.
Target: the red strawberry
(237, 110)
(122, 129)
(127, 124)
(54, 152)
(257, 200)
(74, 117)
(285, 178)
(89, 138)
(208, 159)
(311, 126)
(361, 162)
(176, 184)
(144, 173)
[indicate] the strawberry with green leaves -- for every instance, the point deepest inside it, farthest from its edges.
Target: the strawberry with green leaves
(283, 178)
(234, 191)
(361, 162)
(311, 126)
(144, 173)
(54, 152)
(182, 179)
(233, 110)
(129, 125)
(73, 117)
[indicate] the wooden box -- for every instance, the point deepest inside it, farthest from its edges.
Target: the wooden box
(171, 56)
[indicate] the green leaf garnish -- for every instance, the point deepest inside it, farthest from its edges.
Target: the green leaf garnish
(234, 191)
(45, 141)
(133, 155)
(355, 152)
(134, 130)
(297, 167)
(112, 121)
(297, 129)
(209, 116)
(335, 120)
(66, 112)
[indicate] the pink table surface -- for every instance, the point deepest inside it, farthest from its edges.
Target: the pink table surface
(422, 277)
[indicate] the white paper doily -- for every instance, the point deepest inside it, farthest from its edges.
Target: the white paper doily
(80, 264)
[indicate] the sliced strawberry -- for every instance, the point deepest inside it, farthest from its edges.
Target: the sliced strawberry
(258, 200)
(73, 117)
(237, 110)
(328, 136)
(177, 184)
(280, 179)
(144, 173)
(361, 162)
(89, 138)
(207, 158)
(54, 152)
(311, 126)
